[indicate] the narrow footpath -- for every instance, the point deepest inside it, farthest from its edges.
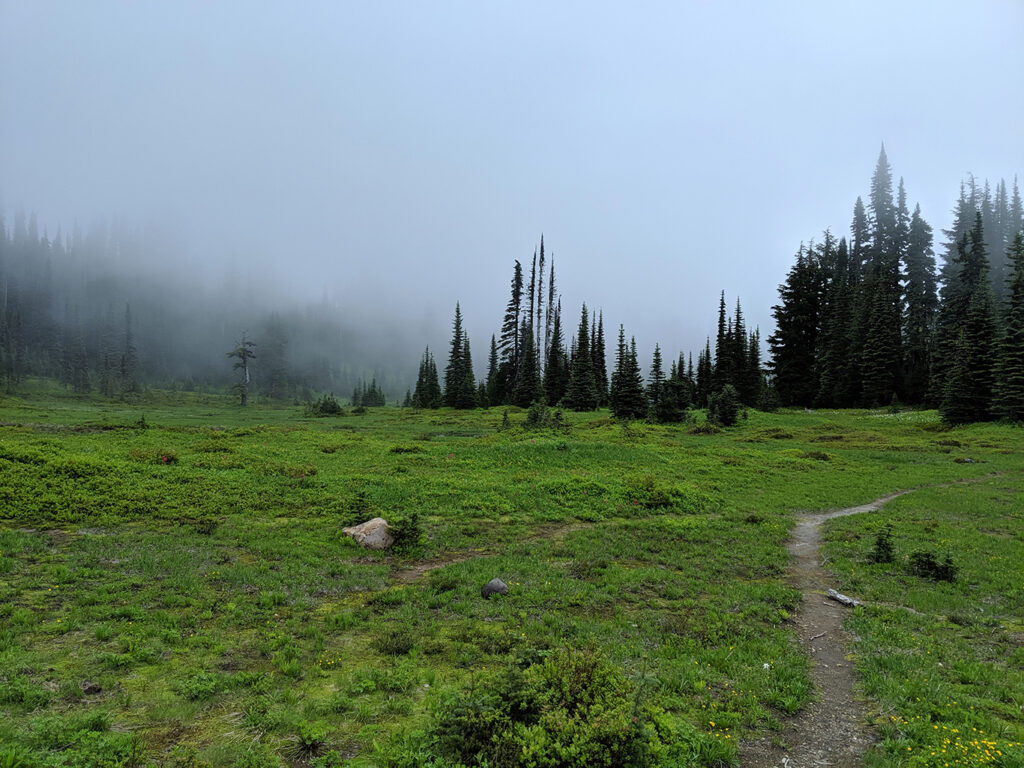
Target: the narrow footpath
(831, 731)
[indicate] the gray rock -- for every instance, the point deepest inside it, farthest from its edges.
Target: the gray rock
(373, 534)
(89, 688)
(494, 587)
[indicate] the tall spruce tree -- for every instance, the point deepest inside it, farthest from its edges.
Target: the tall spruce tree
(967, 391)
(529, 388)
(797, 323)
(834, 385)
(627, 399)
(921, 302)
(655, 383)
(556, 367)
(881, 356)
(581, 393)
(467, 394)
(492, 383)
(599, 360)
(704, 375)
(509, 343)
(722, 372)
(459, 370)
(1008, 400)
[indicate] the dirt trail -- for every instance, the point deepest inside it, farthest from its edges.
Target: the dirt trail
(831, 731)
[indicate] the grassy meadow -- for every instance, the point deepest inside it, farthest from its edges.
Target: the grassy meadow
(175, 588)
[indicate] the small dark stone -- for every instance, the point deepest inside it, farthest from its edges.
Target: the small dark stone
(494, 587)
(89, 688)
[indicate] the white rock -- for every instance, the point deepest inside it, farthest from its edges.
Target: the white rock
(373, 534)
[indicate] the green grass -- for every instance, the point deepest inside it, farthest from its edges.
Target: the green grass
(943, 660)
(196, 571)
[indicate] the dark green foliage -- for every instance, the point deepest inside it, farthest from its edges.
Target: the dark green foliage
(883, 551)
(675, 397)
(627, 398)
(921, 302)
(407, 531)
(834, 384)
(1008, 402)
(510, 342)
(967, 392)
(459, 383)
(428, 389)
(724, 406)
(655, 382)
(556, 366)
(768, 399)
(368, 395)
(326, 405)
(702, 382)
(926, 565)
(797, 319)
(599, 360)
(529, 386)
(572, 709)
(492, 384)
(581, 393)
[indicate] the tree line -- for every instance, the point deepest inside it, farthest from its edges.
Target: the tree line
(873, 320)
(531, 362)
(110, 311)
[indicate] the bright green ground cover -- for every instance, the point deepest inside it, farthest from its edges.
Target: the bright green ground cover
(195, 570)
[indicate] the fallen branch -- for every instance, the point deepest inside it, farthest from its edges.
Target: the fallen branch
(833, 595)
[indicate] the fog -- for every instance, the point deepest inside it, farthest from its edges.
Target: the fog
(390, 159)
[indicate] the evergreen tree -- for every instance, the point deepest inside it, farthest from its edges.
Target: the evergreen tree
(581, 393)
(797, 320)
(556, 368)
(275, 359)
(755, 379)
(550, 311)
(509, 343)
(1008, 401)
(428, 389)
(529, 388)
(881, 354)
(704, 371)
(243, 353)
(459, 384)
(967, 391)
(655, 383)
(537, 320)
(722, 373)
(492, 385)
(920, 305)
(627, 398)
(599, 361)
(964, 274)
(434, 398)
(466, 396)
(129, 359)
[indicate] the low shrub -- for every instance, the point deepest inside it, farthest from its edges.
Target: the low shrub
(883, 551)
(926, 565)
(325, 406)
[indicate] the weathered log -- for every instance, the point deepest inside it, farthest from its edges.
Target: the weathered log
(839, 598)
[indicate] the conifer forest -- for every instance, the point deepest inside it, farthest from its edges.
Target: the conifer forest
(864, 319)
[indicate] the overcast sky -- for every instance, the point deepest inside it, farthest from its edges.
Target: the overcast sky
(401, 155)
